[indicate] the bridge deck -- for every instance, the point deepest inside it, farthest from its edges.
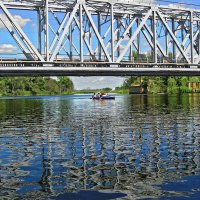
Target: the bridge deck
(73, 68)
(66, 63)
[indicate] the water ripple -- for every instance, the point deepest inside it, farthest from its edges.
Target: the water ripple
(134, 145)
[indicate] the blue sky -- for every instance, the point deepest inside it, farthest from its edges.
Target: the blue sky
(180, 1)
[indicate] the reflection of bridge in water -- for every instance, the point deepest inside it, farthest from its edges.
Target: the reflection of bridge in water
(93, 37)
(129, 150)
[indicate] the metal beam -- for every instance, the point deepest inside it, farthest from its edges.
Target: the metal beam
(125, 34)
(191, 37)
(47, 29)
(81, 31)
(23, 36)
(189, 45)
(17, 40)
(154, 37)
(134, 36)
(106, 29)
(112, 32)
(61, 27)
(85, 39)
(97, 33)
(173, 36)
(144, 70)
(66, 29)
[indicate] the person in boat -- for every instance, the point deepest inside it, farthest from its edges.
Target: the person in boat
(94, 95)
(98, 95)
(104, 95)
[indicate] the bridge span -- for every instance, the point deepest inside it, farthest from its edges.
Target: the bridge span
(97, 69)
(98, 37)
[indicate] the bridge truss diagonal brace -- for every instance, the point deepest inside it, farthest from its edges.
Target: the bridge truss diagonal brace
(189, 45)
(149, 40)
(21, 33)
(128, 32)
(175, 33)
(125, 33)
(66, 29)
(134, 35)
(58, 32)
(15, 37)
(116, 47)
(97, 33)
(197, 60)
(105, 35)
(173, 36)
(85, 39)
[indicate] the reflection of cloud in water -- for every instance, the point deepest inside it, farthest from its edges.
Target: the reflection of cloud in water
(58, 145)
(184, 189)
(89, 195)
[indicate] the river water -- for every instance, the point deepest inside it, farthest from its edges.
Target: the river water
(72, 147)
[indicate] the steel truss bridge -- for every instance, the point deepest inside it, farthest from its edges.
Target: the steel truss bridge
(99, 37)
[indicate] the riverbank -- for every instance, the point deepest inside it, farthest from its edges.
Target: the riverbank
(85, 92)
(45, 86)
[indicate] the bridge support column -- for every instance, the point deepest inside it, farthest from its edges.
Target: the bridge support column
(81, 32)
(154, 37)
(198, 38)
(47, 29)
(39, 13)
(99, 30)
(191, 37)
(167, 42)
(138, 40)
(112, 33)
(173, 44)
(70, 42)
(131, 47)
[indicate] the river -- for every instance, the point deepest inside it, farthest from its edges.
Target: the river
(72, 147)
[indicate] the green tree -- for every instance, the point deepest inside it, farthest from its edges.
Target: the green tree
(34, 85)
(135, 55)
(172, 85)
(65, 84)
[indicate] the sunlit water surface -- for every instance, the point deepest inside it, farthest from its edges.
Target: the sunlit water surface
(72, 147)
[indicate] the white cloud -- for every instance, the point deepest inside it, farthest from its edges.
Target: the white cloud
(101, 78)
(177, 5)
(7, 48)
(140, 1)
(97, 82)
(17, 18)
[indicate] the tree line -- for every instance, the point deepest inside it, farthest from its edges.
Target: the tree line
(17, 86)
(165, 84)
(26, 86)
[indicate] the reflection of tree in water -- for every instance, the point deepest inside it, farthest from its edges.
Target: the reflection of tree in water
(125, 145)
(16, 113)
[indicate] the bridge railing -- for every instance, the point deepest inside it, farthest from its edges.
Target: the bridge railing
(88, 58)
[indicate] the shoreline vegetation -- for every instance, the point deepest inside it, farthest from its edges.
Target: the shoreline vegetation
(164, 84)
(41, 86)
(35, 86)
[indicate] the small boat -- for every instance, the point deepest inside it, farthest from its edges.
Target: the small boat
(104, 97)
